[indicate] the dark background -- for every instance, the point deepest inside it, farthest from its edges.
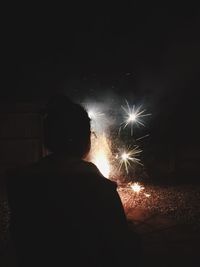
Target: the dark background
(147, 53)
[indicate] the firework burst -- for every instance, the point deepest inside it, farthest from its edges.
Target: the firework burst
(133, 115)
(102, 142)
(127, 157)
(136, 187)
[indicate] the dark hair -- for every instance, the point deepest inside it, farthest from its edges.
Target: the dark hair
(66, 127)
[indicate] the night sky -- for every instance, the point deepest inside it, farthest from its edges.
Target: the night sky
(144, 49)
(147, 54)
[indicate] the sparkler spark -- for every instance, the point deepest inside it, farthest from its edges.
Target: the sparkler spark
(101, 153)
(91, 114)
(127, 157)
(133, 116)
(136, 187)
(94, 115)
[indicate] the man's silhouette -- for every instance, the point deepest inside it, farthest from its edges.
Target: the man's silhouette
(63, 211)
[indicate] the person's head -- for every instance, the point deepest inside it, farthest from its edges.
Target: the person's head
(66, 128)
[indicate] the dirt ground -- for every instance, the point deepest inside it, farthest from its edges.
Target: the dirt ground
(165, 242)
(167, 223)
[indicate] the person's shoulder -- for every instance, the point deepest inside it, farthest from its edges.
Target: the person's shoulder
(98, 177)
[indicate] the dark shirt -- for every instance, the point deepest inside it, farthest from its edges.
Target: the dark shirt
(65, 213)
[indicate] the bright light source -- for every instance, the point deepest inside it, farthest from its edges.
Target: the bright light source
(100, 154)
(136, 187)
(125, 156)
(129, 156)
(132, 117)
(91, 114)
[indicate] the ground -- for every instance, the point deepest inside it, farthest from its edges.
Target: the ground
(166, 218)
(166, 242)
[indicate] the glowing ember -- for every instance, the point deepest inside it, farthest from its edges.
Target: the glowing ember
(136, 187)
(147, 195)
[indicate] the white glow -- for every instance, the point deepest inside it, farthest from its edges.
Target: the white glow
(136, 187)
(132, 117)
(100, 153)
(91, 114)
(101, 161)
(125, 156)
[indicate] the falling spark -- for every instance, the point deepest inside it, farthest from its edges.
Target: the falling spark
(140, 138)
(136, 187)
(133, 116)
(127, 157)
(147, 195)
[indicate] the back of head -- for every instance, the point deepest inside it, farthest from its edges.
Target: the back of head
(66, 127)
